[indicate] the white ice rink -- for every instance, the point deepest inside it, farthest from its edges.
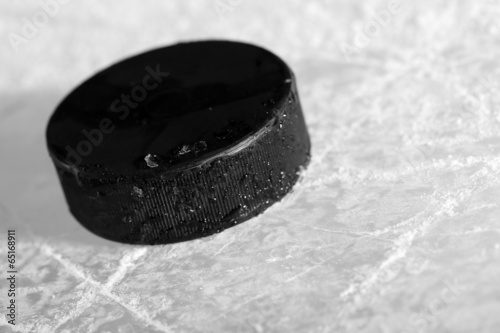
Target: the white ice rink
(394, 227)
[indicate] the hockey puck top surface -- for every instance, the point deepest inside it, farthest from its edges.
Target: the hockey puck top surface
(167, 109)
(179, 142)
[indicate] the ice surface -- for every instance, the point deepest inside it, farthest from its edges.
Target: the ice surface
(393, 228)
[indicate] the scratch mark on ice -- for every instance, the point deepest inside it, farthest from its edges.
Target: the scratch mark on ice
(104, 290)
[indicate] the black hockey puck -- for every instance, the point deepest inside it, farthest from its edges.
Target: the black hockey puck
(179, 142)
